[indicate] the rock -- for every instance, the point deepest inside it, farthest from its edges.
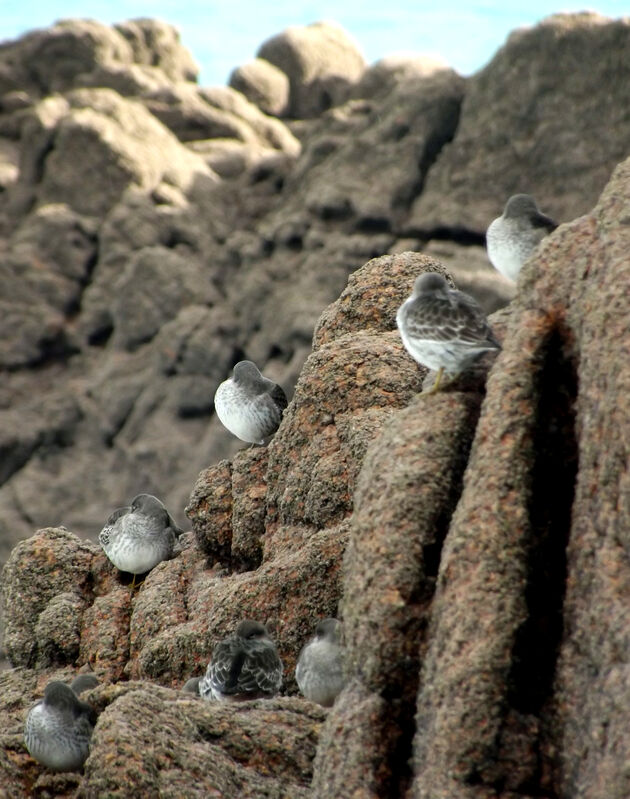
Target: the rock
(264, 85)
(384, 76)
(542, 122)
(524, 600)
(69, 53)
(416, 119)
(155, 43)
(37, 589)
(156, 284)
(100, 129)
(257, 749)
(220, 112)
(473, 545)
(321, 63)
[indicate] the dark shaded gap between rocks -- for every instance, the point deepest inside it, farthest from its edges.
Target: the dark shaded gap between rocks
(553, 477)
(403, 704)
(552, 487)
(456, 234)
(429, 154)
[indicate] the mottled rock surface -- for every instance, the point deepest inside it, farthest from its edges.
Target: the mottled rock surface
(474, 545)
(529, 124)
(513, 632)
(154, 232)
(264, 85)
(321, 62)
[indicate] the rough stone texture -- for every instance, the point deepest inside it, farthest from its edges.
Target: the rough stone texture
(539, 136)
(240, 265)
(263, 84)
(523, 636)
(321, 62)
(516, 643)
(384, 75)
(166, 742)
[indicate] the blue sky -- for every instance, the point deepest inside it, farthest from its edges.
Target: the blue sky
(222, 35)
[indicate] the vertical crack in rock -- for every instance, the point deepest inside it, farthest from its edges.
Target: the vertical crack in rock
(552, 485)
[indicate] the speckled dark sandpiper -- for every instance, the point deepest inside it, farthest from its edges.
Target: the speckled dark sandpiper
(512, 237)
(244, 666)
(319, 670)
(58, 729)
(442, 328)
(138, 537)
(249, 405)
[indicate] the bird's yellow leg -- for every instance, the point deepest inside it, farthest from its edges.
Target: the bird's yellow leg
(436, 385)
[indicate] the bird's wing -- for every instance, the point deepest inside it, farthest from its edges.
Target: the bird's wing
(542, 221)
(261, 670)
(428, 319)
(472, 326)
(220, 666)
(111, 525)
(278, 396)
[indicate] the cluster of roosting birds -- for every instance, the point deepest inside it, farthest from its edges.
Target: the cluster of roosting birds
(442, 329)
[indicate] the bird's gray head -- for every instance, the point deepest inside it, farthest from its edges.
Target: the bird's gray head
(329, 629)
(520, 205)
(251, 629)
(246, 372)
(59, 695)
(430, 283)
(147, 503)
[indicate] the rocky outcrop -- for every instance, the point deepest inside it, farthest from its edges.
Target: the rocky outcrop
(505, 618)
(171, 743)
(264, 85)
(527, 125)
(471, 544)
(321, 62)
(123, 312)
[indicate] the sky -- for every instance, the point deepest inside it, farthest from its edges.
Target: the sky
(222, 34)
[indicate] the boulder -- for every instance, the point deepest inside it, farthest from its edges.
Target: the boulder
(385, 74)
(509, 631)
(321, 62)
(72, 52)
(534, 135)
(263, 84)
(87, 148)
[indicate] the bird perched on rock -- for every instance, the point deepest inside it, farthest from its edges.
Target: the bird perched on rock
(249, 405)
(442, 328)
(59, 727)
(319, 670)
(512, 237)
(244, 666)
(138, 537)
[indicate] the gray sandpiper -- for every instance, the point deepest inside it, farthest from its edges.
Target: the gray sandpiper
(319, 670)
(442, 328)
(249, 405)
(58, 729)
(512, 237)
(245, 665)
(138, 537)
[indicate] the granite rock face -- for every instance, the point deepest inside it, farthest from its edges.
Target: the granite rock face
(321, 62)
(474, 545)
(155, 232)
(491, 586)
(528, 125)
